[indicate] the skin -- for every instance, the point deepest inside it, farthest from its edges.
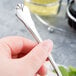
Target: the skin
(22, 57)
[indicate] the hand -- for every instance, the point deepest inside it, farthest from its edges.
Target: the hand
(22, 57)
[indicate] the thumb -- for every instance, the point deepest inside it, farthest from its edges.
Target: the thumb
(38, 55)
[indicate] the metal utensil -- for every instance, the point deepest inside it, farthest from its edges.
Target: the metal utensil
(51, 28)
(23, 13)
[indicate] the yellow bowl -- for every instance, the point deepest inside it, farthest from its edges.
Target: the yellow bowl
(43, 7)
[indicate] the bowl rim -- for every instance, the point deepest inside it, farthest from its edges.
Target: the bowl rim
(48, 4)
(70, 15)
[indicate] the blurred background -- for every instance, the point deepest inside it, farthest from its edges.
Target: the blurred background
(63, 36)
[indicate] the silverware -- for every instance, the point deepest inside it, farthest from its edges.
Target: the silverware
(23, 13)
(51, 28)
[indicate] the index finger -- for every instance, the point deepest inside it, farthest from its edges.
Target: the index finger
(17, 44)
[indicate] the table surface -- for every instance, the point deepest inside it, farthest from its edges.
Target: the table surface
(64, 51)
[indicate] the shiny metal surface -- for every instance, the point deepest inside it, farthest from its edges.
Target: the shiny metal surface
(23, 14)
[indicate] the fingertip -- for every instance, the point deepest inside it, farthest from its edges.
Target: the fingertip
(48, 43)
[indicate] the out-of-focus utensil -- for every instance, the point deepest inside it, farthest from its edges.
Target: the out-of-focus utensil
(71, 14)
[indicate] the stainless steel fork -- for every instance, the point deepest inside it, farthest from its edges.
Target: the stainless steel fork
(23, 13)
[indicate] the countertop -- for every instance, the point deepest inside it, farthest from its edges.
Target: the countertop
(64, 51)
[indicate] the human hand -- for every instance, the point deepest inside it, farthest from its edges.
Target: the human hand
(22, 57)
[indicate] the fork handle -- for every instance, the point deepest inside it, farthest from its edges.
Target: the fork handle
(38, 39)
